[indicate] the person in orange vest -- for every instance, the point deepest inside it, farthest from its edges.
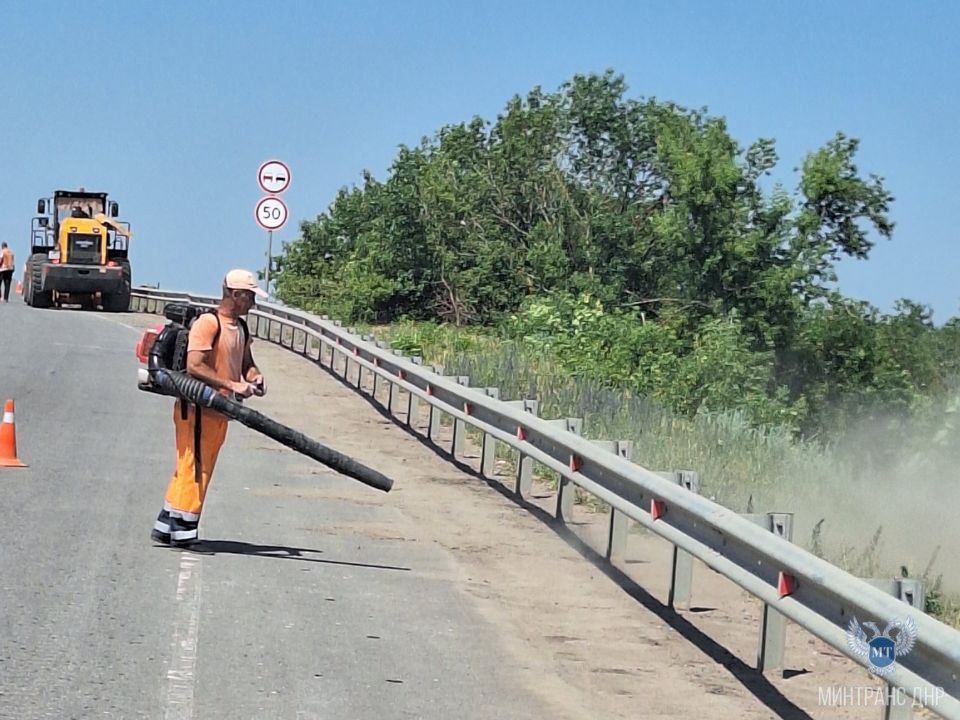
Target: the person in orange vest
(219, 354)
(6, 270)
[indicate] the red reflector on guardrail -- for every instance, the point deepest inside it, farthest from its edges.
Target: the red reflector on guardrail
(786, 584)
(657, 509)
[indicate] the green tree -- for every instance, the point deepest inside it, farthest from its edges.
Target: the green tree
(703, 289)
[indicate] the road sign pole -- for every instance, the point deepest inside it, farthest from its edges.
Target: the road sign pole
(269, 259)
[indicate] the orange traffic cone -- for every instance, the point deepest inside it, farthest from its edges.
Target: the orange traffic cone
(8, 439)
(19, 287)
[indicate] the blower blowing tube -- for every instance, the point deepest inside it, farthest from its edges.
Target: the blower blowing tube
(198, 392)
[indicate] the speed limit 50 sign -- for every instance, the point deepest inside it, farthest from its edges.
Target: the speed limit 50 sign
(271, 213)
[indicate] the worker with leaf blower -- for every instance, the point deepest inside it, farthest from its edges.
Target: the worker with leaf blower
(202, 357)
(218, 353)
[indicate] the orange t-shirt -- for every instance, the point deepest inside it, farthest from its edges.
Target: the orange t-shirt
(6, 259)
(228, 358)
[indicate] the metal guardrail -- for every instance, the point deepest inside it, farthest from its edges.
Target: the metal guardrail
(811, 592)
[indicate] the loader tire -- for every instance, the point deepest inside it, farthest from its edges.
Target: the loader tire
(119, 301)
(33, 295)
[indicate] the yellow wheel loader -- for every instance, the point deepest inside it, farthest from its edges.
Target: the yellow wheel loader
(78, 253)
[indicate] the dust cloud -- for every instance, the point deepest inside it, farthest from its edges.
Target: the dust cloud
(891, 502)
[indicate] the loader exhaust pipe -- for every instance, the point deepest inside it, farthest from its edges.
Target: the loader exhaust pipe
(178, 384)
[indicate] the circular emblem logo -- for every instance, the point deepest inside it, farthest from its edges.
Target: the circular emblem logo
(882, 652)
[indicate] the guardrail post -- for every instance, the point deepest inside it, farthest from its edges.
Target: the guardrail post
(393, 401)
(377, 379)
(360, 368)
(334, 357)
(773, 633)
(681, 564)
(459, 426)
(307, 345)
(334, 354)
(346, 366)
(524, 479)
(773, 625)
(433, 425)
(488, 453)
(413, 400)
(348, 360)
(322, 351)
(566, 490)
(913, 592)
(619, 523)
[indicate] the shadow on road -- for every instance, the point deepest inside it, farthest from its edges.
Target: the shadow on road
(751, 680)
(281, 552)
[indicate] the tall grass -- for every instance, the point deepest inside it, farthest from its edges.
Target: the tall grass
(736, 462)
(746, 469)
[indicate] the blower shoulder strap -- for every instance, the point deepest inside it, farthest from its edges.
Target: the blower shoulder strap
(240, 321)
(197, 410)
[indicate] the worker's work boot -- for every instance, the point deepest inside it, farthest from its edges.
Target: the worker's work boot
(160, 537)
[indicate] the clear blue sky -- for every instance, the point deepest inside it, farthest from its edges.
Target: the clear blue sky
(171, 106)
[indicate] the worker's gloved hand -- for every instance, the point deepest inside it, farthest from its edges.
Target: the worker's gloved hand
(259, 385)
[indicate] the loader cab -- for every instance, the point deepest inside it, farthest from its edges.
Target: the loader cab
(82, 241)
(67, 229)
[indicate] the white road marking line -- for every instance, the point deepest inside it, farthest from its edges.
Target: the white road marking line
(115, 321)
(180, 676)
(99, 348)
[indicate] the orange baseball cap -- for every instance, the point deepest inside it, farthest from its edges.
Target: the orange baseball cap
(243, 280)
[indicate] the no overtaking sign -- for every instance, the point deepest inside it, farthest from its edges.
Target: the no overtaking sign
(274, 177)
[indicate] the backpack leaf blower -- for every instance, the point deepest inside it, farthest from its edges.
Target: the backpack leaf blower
(164, 351)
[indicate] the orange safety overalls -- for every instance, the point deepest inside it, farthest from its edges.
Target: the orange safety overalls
(198, 444)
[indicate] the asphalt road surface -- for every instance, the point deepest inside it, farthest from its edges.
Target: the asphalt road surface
(270, 617)
(313, 596)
